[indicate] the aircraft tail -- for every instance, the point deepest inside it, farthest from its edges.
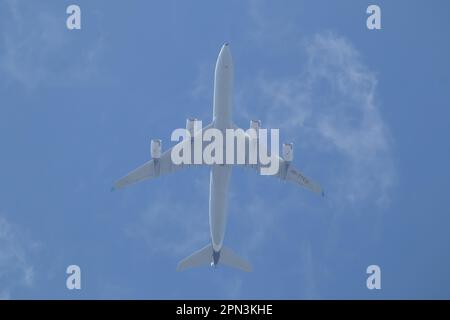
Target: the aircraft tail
(207, 256)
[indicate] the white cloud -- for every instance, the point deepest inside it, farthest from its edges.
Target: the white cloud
(171, 227)
(15, 267)
(331, 111)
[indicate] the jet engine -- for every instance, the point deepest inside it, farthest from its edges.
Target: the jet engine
(192, 126)
(288, 152)
(155, 148)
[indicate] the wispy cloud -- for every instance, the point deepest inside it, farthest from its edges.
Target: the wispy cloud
(331, 110)
(36, 49)
(174, 228)
(15, 267)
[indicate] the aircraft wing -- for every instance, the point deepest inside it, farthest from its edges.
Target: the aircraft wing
(150, 169)
(286, 171)
(153, 168)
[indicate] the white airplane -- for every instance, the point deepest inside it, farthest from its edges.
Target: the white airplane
(162, 164)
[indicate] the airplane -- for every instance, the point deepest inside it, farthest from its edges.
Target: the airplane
(162, 164)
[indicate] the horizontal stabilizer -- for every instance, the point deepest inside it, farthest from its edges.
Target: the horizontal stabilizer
(197, 259)
(231, 259)
(204, 256)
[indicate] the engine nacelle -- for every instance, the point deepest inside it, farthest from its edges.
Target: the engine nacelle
(155, 148)
(288, 152)
(255, 124)
(192, 126)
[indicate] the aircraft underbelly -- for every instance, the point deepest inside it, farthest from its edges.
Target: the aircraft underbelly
(218, 203)
(223, 88)
(220, 174)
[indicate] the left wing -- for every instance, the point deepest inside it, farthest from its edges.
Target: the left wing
(154, 168)
(150, 169)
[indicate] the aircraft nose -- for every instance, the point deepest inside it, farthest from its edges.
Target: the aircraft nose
(225, 54)
(225, 48)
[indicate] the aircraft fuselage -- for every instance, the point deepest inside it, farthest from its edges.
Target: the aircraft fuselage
(220, 174)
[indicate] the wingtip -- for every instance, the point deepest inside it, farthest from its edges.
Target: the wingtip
(113, 189)
(323, 193)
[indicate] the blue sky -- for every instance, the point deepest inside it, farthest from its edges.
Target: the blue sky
(368, 112)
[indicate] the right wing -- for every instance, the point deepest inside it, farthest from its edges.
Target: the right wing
(153, 168)
(286, 171)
